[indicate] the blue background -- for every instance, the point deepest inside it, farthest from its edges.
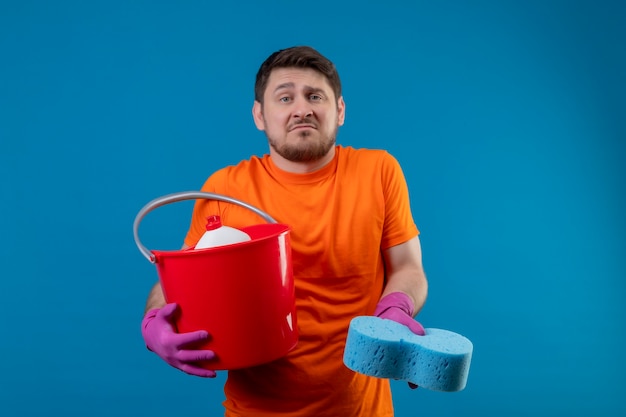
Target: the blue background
(507, 117)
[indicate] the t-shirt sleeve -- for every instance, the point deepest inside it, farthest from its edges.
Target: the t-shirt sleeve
(399, 225)
(201, 208)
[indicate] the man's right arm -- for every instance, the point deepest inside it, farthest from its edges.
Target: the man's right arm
(156, 299)
(159, 333)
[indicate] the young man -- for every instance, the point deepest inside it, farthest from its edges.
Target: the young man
(355, 247)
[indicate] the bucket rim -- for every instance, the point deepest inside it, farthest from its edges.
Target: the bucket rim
(191, 251)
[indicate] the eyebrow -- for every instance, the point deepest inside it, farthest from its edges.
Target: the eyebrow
(284, 85)
(292, 85)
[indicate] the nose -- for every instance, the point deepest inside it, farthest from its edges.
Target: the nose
(302, 109)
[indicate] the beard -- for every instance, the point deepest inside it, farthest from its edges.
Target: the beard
(307, 149)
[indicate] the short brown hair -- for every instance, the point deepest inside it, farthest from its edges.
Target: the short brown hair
(296, 57)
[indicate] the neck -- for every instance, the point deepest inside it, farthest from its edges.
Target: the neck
(301, 167)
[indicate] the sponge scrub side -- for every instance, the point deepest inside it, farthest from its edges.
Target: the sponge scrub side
(438, 361)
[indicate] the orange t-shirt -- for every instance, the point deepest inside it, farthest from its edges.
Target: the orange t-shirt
(341, 218)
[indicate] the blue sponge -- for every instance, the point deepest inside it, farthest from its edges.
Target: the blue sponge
(438, 361)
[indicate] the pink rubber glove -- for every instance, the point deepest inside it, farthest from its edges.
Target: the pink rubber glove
(398, 307)
(161, 338)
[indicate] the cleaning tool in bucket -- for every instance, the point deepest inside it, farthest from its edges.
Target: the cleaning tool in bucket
(242, 293)
(219, 235)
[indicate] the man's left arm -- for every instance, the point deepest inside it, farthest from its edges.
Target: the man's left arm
(405, 273)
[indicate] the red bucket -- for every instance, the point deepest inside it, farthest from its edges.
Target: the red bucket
(242, 294)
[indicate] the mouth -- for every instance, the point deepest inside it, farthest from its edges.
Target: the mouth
(302, 126)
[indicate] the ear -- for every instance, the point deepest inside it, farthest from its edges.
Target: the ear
(257, 115)
(341, 111)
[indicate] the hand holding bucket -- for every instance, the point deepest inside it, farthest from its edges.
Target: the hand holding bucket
(242, 294)
(177, 349)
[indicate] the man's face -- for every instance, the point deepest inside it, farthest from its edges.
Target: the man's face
(300, 114)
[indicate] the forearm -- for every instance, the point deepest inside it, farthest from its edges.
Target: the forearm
(405, 273)
(411, 282)
(156, 299)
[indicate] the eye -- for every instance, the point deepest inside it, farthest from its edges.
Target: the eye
(284, 99)
(315, 97)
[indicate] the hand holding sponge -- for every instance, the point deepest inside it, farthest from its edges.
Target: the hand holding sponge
(398, 307)
(393, 345)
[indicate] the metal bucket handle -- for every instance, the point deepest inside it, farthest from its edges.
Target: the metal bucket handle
(181, 196)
